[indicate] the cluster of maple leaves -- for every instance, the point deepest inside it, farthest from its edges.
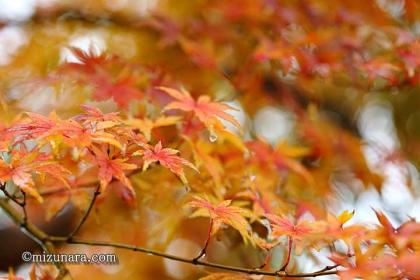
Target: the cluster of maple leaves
(309, 40)
(50, 151)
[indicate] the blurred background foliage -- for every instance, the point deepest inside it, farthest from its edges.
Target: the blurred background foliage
(341, 73)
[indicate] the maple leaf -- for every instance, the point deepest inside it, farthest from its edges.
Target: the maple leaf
(5, 138)
(109, 168)
(260, 204)
(383, 220)
(51, 129)
(282, 226)
(168, 28)
(200, 54)
(55, 131)
(281, 157)
(206, 111)
(166, 157)
(333, 228)
(202, 158)
(146, 125)
(122, 90)
(344, 217)
(11, 276)
(223, 213)
(39, 126)
(386, 266)
(93, 114)
(276, 51)
(411, 58)
(407, 233)
(380, 68)
(39, 272)
(89, 60)
(21, 167)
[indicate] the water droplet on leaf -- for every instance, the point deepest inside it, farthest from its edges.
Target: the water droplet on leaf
(213, 137)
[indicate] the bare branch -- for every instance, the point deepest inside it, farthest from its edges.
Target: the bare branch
(36, 234)
(187, 260)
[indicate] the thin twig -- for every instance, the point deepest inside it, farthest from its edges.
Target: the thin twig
(25, 214)
(187, 260)
(86, 214)
(328, 267)
(203, 251)
(289, 253)
(266, 259)
(9, 195)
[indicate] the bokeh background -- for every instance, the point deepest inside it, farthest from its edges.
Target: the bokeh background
(34, 38)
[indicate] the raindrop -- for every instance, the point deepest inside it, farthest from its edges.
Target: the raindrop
(213, 137)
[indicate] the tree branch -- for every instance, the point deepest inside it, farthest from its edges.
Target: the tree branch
(187, 260)
(289, 253)
(11, 196)
(46, 242)
(86, 214)
(34, 233)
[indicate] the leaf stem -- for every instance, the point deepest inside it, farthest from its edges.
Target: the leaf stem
(86, 214)
(289, 253)
(203, 251)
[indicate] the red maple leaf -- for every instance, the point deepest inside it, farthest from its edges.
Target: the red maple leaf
(207, 112)
(24, 164)
(122, 90)
(168, 158)
(283, 226)
(89, 61)
(112, 168)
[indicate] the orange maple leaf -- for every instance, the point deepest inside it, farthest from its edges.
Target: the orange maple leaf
(21, 167)
(93, 114)
(109, 168)
(207, 112)
(281, 157)
(400, 237)
(222, 213)
(283, 226)
(168, 158)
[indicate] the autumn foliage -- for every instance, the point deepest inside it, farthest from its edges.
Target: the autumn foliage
(153, 137)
